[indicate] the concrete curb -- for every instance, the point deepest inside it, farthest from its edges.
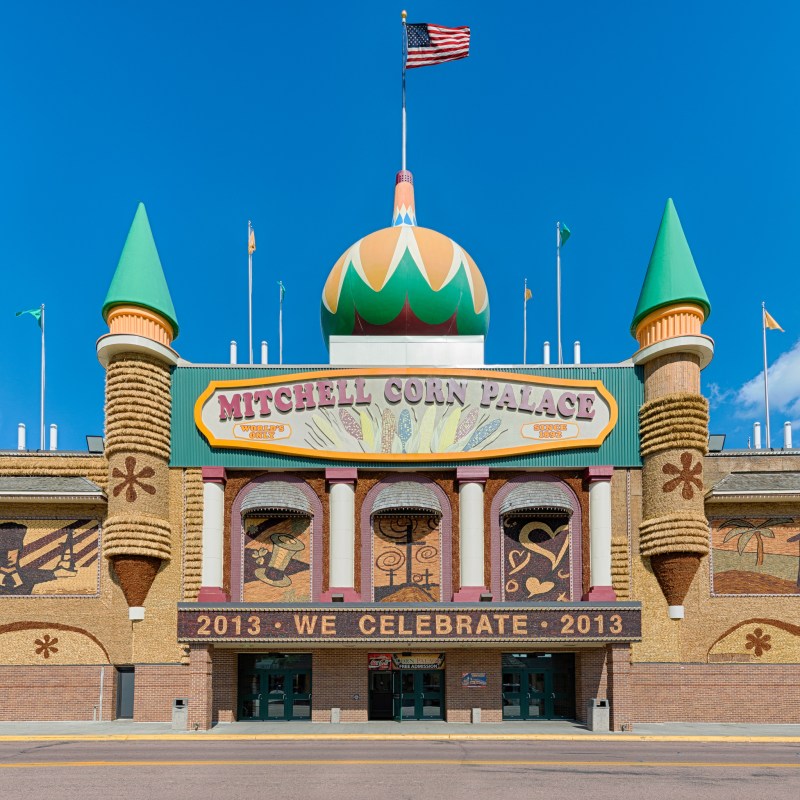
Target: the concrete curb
(417, 737)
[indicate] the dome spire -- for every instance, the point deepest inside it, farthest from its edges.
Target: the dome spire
(404, 212)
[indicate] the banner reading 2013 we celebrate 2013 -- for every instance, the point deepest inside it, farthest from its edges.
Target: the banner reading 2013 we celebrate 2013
(405, 414)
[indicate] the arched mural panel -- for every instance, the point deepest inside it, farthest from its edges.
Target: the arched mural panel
(276, 553)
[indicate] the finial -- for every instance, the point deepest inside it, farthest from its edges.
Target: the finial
(404, 14)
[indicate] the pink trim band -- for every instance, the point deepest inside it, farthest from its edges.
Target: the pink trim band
(214, 475)
(212, 594)
(601, 594)
(470, 594)
(596, 474)
(472, 474)
(341, 475)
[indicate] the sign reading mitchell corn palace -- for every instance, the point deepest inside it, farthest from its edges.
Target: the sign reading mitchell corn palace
(402, 415)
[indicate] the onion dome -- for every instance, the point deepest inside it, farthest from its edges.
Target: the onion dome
(405, 281)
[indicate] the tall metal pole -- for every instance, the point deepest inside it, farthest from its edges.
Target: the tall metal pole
(280, 325)
(403, 16)
(41, 415)
(250, 286)
(766, 383)
(525, 324)
(558, 289)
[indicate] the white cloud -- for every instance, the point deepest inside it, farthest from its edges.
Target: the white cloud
(784, 389)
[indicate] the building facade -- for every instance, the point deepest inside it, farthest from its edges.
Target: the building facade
(403, 533)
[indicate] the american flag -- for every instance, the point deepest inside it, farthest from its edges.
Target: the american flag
(434, 44)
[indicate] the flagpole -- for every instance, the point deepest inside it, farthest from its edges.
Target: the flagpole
(250, 287)
(403, 15)
(558, 289)
(41, 412)
(280, 324)
(525, 324)
(766, 383)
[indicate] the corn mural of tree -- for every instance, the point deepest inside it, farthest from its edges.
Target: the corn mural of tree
(747, 530)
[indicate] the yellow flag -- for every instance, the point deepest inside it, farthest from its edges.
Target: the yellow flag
(251, 243)
(528, 294)
(771, 322)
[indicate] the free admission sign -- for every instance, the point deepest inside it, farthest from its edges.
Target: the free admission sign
(405, 414)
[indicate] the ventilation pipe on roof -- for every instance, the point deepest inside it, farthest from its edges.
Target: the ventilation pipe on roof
(757, 435)
(264, 352)
(233, 351)
(21, 436)
(577, 352)
(54, 437)
(787, 435)
(546, 353)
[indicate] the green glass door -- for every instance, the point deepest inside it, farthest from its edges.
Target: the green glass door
(418, 694)
(538, 686)
(274, 687)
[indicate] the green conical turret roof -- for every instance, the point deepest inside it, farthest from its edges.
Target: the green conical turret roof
(672, 276)
(139, 279)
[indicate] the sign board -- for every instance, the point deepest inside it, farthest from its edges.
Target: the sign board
(473, 680)
(566, 622)
(405, 414)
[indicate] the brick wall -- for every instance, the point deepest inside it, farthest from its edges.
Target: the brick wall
(200, 695)
(56, 693)
(339, 675)
(591, 679)
(460, 700)
(155, 687)
(758, 693)
(225, 685)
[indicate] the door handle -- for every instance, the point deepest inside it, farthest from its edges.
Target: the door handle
(553, 696)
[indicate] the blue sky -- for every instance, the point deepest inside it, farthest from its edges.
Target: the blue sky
(289, 115)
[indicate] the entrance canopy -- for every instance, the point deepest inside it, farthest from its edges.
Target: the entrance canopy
(536, 496)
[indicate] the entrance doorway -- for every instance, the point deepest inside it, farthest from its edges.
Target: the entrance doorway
(125, 692)
(274, 686)
(538, 686)
(406, 686)
(418, 695)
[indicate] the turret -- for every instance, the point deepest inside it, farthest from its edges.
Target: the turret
(673, 420)
(137, 355)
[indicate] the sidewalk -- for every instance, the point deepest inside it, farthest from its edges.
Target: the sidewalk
(253, 731)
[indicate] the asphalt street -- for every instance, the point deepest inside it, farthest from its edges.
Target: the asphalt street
(308, 770)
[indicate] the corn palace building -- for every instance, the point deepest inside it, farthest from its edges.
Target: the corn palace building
(403, 533)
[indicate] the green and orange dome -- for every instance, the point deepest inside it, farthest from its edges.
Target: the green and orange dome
(405, 281)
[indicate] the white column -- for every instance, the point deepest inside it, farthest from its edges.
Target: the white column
(211, 590)
(342, 539)
(600, 584)
(470, 533)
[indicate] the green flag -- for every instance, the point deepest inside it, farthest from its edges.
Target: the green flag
(34, 312)
(565, 233)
